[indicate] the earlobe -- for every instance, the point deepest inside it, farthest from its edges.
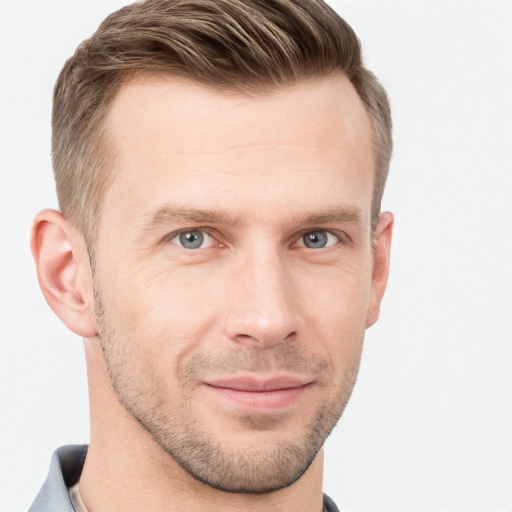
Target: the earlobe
(63, 271)
(381, 260)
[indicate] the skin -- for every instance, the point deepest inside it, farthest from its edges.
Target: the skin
(162, 322)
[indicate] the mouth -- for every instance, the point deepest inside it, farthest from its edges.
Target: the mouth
(259, 395)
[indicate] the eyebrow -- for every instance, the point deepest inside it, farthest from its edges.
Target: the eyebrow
(338, 215)
(171, 214)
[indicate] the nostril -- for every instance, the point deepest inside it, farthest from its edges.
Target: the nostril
(265, 338)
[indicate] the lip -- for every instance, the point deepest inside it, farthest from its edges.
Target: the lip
(252, 394)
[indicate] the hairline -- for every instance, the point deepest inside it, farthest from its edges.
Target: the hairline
(105, 154)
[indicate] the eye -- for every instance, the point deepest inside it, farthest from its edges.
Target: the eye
(318, 239)
(193, 239)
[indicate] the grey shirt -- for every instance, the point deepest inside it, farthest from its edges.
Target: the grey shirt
(65, 469)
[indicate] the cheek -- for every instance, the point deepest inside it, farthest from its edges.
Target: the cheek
(166, 311)
(338, 295)
(335, 312)
(169, 312)
(153, 323)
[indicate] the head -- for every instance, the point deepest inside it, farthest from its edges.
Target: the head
(248, 47)
(222, 164)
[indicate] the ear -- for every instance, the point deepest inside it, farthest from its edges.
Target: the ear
(64, 271)
(382, 249)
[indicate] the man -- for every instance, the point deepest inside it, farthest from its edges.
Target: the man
(220, 247)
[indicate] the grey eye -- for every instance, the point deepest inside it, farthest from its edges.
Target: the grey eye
(191, 239)
(316, 239)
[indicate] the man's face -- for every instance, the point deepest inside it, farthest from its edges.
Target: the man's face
(233, 271)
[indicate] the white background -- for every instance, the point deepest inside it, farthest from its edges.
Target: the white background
(429, 426)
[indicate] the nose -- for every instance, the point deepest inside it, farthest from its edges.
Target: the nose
(260, 309)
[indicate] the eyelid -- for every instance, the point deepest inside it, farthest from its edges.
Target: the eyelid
(203, 229)
(342, 237)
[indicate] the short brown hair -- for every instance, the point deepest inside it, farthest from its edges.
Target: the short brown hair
(244, 46)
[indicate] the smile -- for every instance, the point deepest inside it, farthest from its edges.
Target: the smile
(255, 395)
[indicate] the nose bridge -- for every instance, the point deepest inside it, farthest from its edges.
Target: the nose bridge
(261, 298)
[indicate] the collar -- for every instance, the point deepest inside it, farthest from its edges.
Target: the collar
(65, 469)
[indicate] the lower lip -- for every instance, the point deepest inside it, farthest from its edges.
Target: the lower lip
(259, 401)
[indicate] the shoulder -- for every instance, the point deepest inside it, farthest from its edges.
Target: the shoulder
(329, 505)
(65, 468)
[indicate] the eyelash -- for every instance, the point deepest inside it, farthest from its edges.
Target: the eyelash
(340, 237)
(172, 236)
(315, 231)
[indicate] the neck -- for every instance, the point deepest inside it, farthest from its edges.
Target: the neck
(126, 470)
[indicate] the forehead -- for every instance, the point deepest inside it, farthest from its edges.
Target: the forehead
(186, 109)
(175, 137)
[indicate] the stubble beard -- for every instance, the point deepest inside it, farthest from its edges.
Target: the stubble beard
(256, 469)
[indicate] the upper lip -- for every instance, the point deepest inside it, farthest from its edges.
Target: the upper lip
(250, 383)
